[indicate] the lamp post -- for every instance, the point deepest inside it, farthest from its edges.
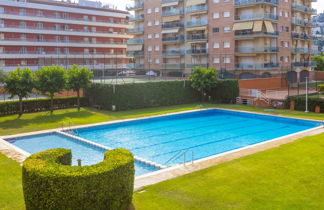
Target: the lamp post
(306, 110)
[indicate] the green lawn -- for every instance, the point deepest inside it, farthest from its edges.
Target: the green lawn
(43, 120)
(288, 177)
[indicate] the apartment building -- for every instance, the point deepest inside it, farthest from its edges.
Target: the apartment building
(35, 33)
(241, 38)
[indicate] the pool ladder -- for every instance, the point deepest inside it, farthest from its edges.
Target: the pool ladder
(184, 154)
(68, 128)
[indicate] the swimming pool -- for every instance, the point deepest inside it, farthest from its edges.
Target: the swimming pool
(161, 139)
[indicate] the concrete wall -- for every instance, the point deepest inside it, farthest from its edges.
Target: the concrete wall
(262, 84)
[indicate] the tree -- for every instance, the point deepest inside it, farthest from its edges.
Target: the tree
(20, 82)
(203, 79)
(3, 76)
(77, 79)
(50, 80)
(319, 59)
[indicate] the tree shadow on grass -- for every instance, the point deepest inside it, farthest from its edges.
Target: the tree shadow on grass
(46, 118)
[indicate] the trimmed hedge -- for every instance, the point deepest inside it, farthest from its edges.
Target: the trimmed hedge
(300, 102)
(49, 182)
(154, 94)
(38, 105)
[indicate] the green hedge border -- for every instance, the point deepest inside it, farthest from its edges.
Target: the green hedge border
(300, 102)
(49, 182)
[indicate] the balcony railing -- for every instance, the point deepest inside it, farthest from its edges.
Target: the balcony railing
(173, 66)
(135, 41)
(173, 25)
(135, 53)
(257, 49)
(197, 37)
(136, 30)
(304, 64)
(304, 9)
(196, 23)
(249, 33)
(191, 66)
(172, 12)
(301, 36)
(135, 6)
(173, 39)
(173, 52)
(135, 66)
(260, 66)
(257, 16)
(62, 41)
(301, 50)
(168, 1)
(247, 2)
(136, 18)
(197, 8)
(302, 22)
(197, 51)
(56, 53)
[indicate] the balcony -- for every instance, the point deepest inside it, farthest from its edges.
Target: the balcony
(196, 23)
(302, 23)
(172, 12)
(304, 9)
(251, 34)
(260, 66)
(191, 66)
(252, 2)
(256, 49)
(136, 18)
(136, 6)
(302, 36)
(135, 66)
(173, 66)
(172, 25)
(197, 37)
(301, 50)
(173, 39)
(258, 16)
(167, 1)
(135, 53)
(173, 52)
(135, 41)
(304, 64)
(203, 51)
(197, 8)
(139, 30)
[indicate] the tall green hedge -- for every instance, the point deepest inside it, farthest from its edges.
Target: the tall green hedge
(153, 94)
(37, 105)
(49, 182)
(300, 102)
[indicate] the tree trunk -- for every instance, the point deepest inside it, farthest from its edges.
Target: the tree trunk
(20, 106)
(52, 108)
(78, 94)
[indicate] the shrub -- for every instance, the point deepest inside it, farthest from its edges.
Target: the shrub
(300, 102)
(49, 182)
(225, 91)
(320, 88)
(37, 105)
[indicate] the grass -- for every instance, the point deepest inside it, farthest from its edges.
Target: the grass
(288, 177)
(44, 120)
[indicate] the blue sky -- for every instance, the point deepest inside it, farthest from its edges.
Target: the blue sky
(319, 5)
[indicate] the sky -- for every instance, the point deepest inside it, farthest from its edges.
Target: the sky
(319, 5)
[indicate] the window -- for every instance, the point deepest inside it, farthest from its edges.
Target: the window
(216, 60)
(156, 9)
(66, 27)
(39, 25)
(57, 38)
(286, 1)
(86, 40)
(85, 28)
(22, 25)
(226, 0)
(22, 37)
(39, 38)
(94, 40)
(287, 59)
(57, 50)
(216, 45)
(157, 60)
(23, 50)
(149, 48)
(93, 29)
(66, 39)
(280, 13)
(1, 10)
(157, 36)
(157, 48)
(23, 62)
(216, 15)
(149, 36)
(227, 45)
(215, 30)
(94, 18)
(286, 14)
(216, 1)
(227, 60)
(281, 28)
(149, 11)
(65, 15)
(227, 29)
(149, 23)
(85, 17)
(226, 14)
(22, 12)
(39, 13)
(281, 58)
(287, 29)
(57, 27)
(40, 50)
(157, 22)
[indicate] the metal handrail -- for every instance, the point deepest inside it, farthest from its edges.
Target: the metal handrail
(181, 153)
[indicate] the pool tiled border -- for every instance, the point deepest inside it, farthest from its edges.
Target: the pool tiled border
(19, 155)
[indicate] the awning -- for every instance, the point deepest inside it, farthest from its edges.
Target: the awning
(170, 31)
(135, 47)
(257, 26)
(197, 28)
(269, 27)
(170, 4)
(243, 26)
(195, 2)
(171, 18)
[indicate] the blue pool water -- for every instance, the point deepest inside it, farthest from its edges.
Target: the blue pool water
(206, 133)
(89, 154)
